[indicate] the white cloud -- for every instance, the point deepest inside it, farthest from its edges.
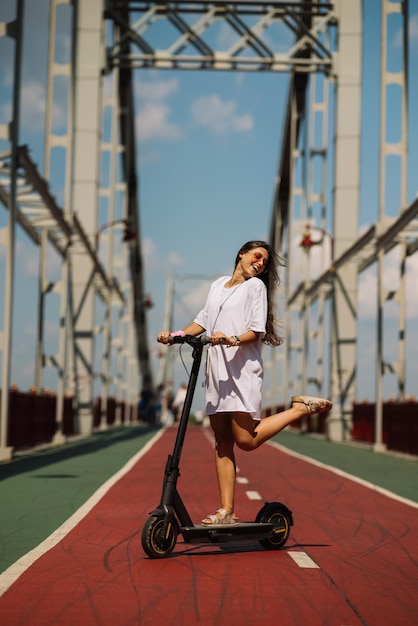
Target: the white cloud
(196, 298)
(155, 260)
(149, 254)
(157, 90)
(32, 112)
(219, 116)
(29, 254)
(413, 32)
(33, 106)
(152, 123)
(153, 117)
(413, 27)
(148, 247)
(174, 259)
(367, 294)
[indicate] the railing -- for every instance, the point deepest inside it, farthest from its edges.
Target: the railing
(400, 424)
(32, 420)
(32, 417)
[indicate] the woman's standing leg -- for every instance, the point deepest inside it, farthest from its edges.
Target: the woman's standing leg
(224, 461)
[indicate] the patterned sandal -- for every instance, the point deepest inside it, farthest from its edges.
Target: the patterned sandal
(314, 405)
(223, 518)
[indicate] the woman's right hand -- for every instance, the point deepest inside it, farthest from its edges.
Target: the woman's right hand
(163, 336)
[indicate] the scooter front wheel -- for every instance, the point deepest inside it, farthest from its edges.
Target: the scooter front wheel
(156, 542)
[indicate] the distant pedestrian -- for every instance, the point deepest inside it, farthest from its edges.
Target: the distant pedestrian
(145, 409)
(178, 402)
(167, 414)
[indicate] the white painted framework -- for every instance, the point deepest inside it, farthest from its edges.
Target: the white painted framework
(352, 253)
(109, 39)
(88, 276)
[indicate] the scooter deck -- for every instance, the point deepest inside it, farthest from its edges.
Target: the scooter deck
(228, 532)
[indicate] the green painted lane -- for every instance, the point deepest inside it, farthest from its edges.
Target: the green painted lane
(40, 491)
(396, 473)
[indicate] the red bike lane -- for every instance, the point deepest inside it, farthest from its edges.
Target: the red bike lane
(358, 553)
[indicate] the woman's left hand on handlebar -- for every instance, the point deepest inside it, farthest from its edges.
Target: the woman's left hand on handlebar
(218, 338)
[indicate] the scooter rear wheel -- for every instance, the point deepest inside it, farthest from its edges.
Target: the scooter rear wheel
(280, 515)
(156, 544)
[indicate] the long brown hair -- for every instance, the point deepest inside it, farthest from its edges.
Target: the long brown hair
(271, 279)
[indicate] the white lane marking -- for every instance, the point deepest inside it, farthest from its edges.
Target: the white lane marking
(242, 480)
(253, 495)
(338, 472)
(303, 560)
(12, 573)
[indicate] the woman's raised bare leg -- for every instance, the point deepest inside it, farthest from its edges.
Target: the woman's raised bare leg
(272, 425)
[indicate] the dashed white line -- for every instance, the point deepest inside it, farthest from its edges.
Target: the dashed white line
(253, 495)
(303, 560)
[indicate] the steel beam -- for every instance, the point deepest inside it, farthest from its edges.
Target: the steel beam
(247, 21)
(15, 30)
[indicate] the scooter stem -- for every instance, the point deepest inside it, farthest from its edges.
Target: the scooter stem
(197, 357)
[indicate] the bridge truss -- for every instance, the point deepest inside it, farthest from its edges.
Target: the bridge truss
(322, 128)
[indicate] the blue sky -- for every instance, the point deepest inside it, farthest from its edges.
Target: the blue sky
(208, 150)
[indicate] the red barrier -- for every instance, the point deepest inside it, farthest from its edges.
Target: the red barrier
(32, 417)
(32, 420)
(399, 425)
(113, 405)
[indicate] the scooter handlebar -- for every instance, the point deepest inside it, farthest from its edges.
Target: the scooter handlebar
(190, 339)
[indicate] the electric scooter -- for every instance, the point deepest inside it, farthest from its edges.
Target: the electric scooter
(159, 535)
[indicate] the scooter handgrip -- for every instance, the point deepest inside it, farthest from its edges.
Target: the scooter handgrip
(206, 339)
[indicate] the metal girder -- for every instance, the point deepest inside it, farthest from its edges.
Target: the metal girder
(37, 210)
(110, 283)
(297, 199)
(296, 98)
(248, 22)
(363, 253)
(356, 251)
(127, 132)
(296, 107)
(41, 187)
(399, 231)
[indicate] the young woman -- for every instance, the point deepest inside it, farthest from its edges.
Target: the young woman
(239, 317)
